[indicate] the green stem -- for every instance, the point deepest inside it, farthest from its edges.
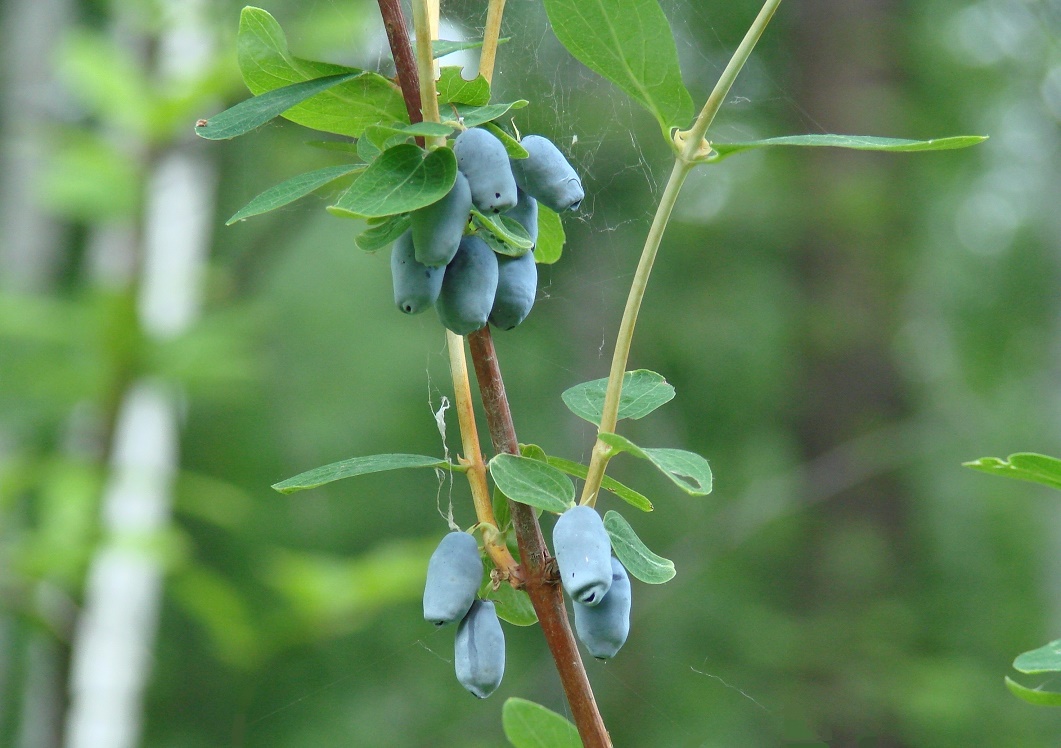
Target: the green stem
(692, 148)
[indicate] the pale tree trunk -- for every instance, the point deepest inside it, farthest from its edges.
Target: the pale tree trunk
(112, 653)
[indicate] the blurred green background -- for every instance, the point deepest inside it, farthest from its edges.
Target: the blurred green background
(843, 330)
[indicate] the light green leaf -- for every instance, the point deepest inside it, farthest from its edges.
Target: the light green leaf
(453, 88)
(629, 42)
(643, 392)
(534, 452)
(1033, 695)
(512, 146)
(443, 47)
(854, 142)
(514, 239)
(629, 495)
(359, 466)
(382, 234)
(1045, 659)
(513, 605)
(347, 109)
(291, 190)
(551, 237)
(533, 483)
(634, 554)
(473, 116)
(688, 470)
(1027, 466)
(530, 725)
(402, 179)
(343, 146)
(426, 129)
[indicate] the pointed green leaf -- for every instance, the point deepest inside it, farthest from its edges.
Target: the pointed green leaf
(854, 142)
(551, 237)
(513, 605)
(1045, 659)
(514, 239)
(292, 189)
(453, 88)
(629, 42)
(530, 725)
(502, 513)
(401, 180)
(443, 47)
(512, 146)
(533, 483)
(643, 392)
(473, 116)
(359, 466)
(382, 234)
(688, 470)
(1033, 695)
(629, 495)
(1027, 466)
(634, 554)
(425, 129)
(343, 146)
(347, 109)
(534, 452)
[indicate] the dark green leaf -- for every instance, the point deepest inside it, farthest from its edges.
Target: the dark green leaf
(515, 240)
(290, 190)
(1045, 659)
(634, 554)
(1027, 466)
(473, 116)
(629, 495)
(400, 180)
(443, 47)
(513, 605)
(453, 88)
(502, 513)
(530, 725)
(359, 466)
(855, 142)
(643, 392)
(347, 109)
(551, 237)
(1033, 695)
(629, 42)
(533, 483)
(382, 234)
(688, 470)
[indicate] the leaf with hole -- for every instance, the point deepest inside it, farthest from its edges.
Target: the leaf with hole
(1026, 466)
(629, 42)
(454, 88)
(530, 725)
(360, 466)
(345, 109)
(688, 470)
(291, 190)
(634, 554)
(400, 180)
(643, 392)
(851, 142)
(531, 482)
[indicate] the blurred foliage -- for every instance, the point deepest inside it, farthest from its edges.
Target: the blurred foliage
(842, 330)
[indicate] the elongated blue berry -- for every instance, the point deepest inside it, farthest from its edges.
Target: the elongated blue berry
(438, 228)
(583, 555)
(479, 650)
(482, 158)
(468, 288)
(454, 574)
(517, 284)
(547, 175)
(526, 213)
(603, 628)
(416, 286)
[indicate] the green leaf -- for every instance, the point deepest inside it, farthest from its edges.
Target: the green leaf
(634, 554)
(514, 239)
(855, 142)
(401, 180)
(291, 190)
(688, 470)
(629, 42)
(443, 47)
(1045, 659)
(453, 88)
(426, 129)
(530, 725)
(347, 109)
(382, 234)
(1033, 695)
(1027, 466)
(513, 605)
(342, 146)
(551, 237)
(533, 483)
(643, 392)
(359, 466)
(473, 116)
(502, 514)
(534, 452)
(629, 495)
(512, 146)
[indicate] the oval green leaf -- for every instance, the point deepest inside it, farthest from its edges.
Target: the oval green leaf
(643, 392)
(453, 88)
(507, 230)
(851, 142)
(629, 495)
(629, 42)
(688, 470)
(380, 235)
(359, 466)
(634, 554)
(533, 483)
(513, 605)
(530, 725)
(1045, 659)
(402, 179)
(551, 237)
(473, 116)
(291, 190)
(1033, 695)
(1026, 466)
